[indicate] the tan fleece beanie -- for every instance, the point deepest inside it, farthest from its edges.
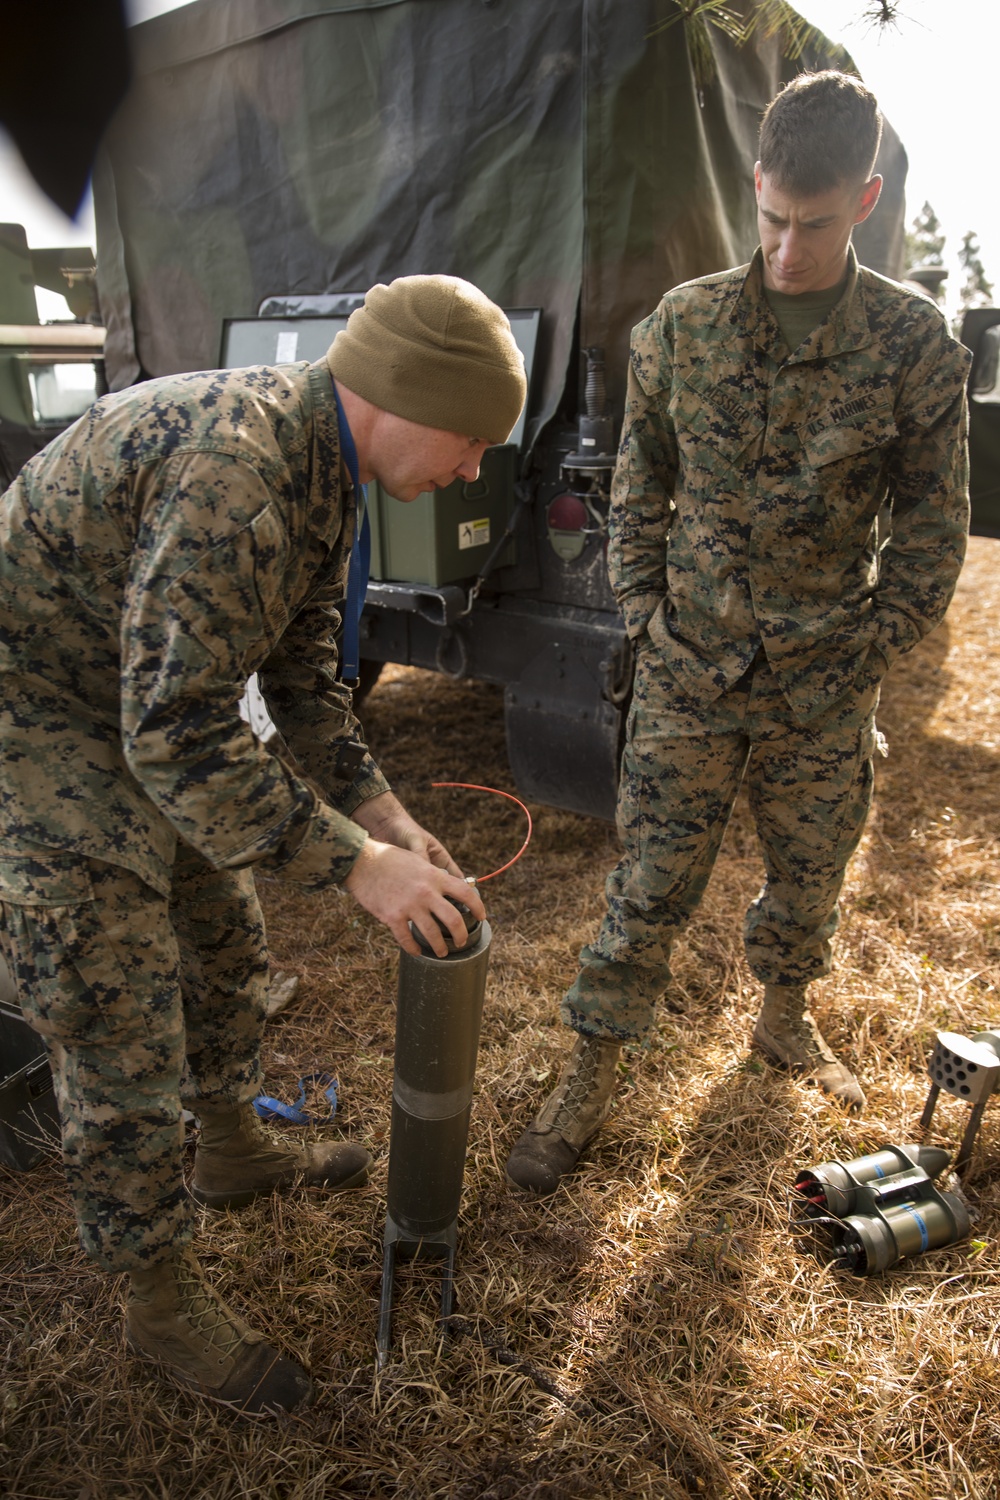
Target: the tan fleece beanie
(434, 349)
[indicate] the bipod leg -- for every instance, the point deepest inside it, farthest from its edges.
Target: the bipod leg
(968, 1139)
(932, 1097)
(447, 1289)
(384, 1337)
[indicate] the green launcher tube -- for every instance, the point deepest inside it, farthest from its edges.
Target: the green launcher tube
(439, 1012)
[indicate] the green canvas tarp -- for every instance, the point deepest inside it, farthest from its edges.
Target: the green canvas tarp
(559, 155)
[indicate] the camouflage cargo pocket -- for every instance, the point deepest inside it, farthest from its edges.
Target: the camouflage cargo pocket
(631, 813)
(715, 436)
(849, 460)
(69, 979)
(220, 597)
(857, 803)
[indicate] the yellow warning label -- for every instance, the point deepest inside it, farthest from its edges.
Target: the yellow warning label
(473, 533)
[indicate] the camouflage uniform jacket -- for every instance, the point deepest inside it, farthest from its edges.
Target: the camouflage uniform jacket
(180, 536)
(749, 482)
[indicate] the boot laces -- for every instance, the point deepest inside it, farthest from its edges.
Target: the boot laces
(261, 1138)
(805, 1031)
(579, 1086)
(253, 1125)
(206, 1312)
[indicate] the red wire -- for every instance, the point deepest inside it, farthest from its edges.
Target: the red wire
(468, 786)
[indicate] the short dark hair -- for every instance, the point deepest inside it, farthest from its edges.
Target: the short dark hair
(821, 131)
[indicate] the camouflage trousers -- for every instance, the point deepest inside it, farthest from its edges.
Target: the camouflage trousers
(146, 1004)
(810, 788)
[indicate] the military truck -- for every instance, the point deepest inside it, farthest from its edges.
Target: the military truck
(49, 372)
(981, 334)
(574, 160)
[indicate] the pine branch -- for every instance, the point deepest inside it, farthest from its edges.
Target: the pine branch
(779, 18)
(768, 17)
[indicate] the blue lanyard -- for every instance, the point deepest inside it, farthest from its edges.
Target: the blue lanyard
(274, 1109)
(348, 669)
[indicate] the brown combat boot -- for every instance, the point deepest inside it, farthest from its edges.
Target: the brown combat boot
(175, 1318)
(238, 1159)
(788, 1035)
(568, 1121)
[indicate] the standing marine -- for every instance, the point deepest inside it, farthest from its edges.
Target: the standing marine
(181, 536)
(773, 413)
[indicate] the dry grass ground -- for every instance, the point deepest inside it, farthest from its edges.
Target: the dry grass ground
(652, 1331)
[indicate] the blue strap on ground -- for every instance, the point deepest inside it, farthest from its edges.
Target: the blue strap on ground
(360, 561)
(296, 1114)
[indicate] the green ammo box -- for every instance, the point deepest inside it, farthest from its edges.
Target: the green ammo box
(447, 535)
(29, 1117)
(440, 537)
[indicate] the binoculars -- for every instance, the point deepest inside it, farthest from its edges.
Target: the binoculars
(865, 1215)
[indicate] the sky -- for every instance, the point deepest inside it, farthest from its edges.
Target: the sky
(933, 72)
